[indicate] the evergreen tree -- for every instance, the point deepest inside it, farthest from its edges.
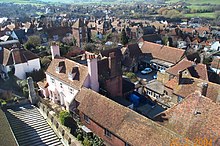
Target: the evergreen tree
(124, 38)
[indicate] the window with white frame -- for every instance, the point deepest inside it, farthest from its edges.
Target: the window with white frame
(52, 80)
(61, 85)
(71, 90)
(108, 133)
(149, 92)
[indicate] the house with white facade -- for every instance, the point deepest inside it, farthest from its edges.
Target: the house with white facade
(65, 78)
(18, 60)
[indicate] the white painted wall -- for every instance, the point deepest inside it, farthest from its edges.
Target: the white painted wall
(64, 90)
(22, 68)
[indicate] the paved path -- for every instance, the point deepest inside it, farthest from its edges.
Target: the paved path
(30, 128)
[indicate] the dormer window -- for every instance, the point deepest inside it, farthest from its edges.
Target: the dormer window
(72, 74)
(60, 66)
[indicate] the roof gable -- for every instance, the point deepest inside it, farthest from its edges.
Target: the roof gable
(78, 81)
(195, 117)
(162, 52)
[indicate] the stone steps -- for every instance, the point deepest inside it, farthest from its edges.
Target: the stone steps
(30, 128)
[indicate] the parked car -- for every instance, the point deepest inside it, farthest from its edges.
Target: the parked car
(146, 71)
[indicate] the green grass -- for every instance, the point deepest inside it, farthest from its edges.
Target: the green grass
(24, 2)
(203, 15)
(195, 2)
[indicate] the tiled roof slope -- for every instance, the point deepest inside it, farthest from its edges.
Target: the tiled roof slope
(123, 122)
(76, 83)
(196, 70)
(190, 84)
(197, 117)
(162, 52)
(16, 56)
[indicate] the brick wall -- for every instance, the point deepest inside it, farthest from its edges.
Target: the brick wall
(100, 131)
(114, 86)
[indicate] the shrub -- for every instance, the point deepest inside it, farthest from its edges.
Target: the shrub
(37, 75)
(45, 62)
(86, 142)
(79, 137)
(63, 116)
(25, 91)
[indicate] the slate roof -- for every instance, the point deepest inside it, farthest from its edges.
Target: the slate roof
(16, 56)
(151, 38)
(196, 117)
(80, 78)
(165, 53)
(130, 126)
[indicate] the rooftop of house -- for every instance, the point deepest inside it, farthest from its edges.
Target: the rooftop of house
(155, 86)
(60, 31)
(124, 122)
(216, 63)
(67, 68)
(194, 118)
(162, 52)
(188, 85)
(6, 135)
(16, 56)
(151, 37)
(79, 23)
(134, 50)
(196, 70)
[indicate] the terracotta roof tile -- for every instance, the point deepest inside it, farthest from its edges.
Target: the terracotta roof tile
(80, 78)
(123, 122)
(196, 70)
(165, 53)
(190, 84)
(196, 117)
(182, 65)
(216, 63)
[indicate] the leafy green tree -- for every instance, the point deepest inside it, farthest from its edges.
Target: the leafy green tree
(63, 116)
(33, 42)
(124, 38)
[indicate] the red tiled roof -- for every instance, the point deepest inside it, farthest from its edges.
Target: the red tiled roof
(165, 53)
(195, 118)
(190, 84)
(196, 70)
(123, 122)
(216, 63)
(68, 66)
(182, 65)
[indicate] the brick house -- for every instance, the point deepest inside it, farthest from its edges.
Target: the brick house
(131, 57)
(163, 57)
(110, 73)
(194, 118)
(80, 32)
(118, 125)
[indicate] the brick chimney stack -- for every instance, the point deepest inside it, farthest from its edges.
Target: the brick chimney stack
(179, 77)
(202, 87)
(112, 64)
